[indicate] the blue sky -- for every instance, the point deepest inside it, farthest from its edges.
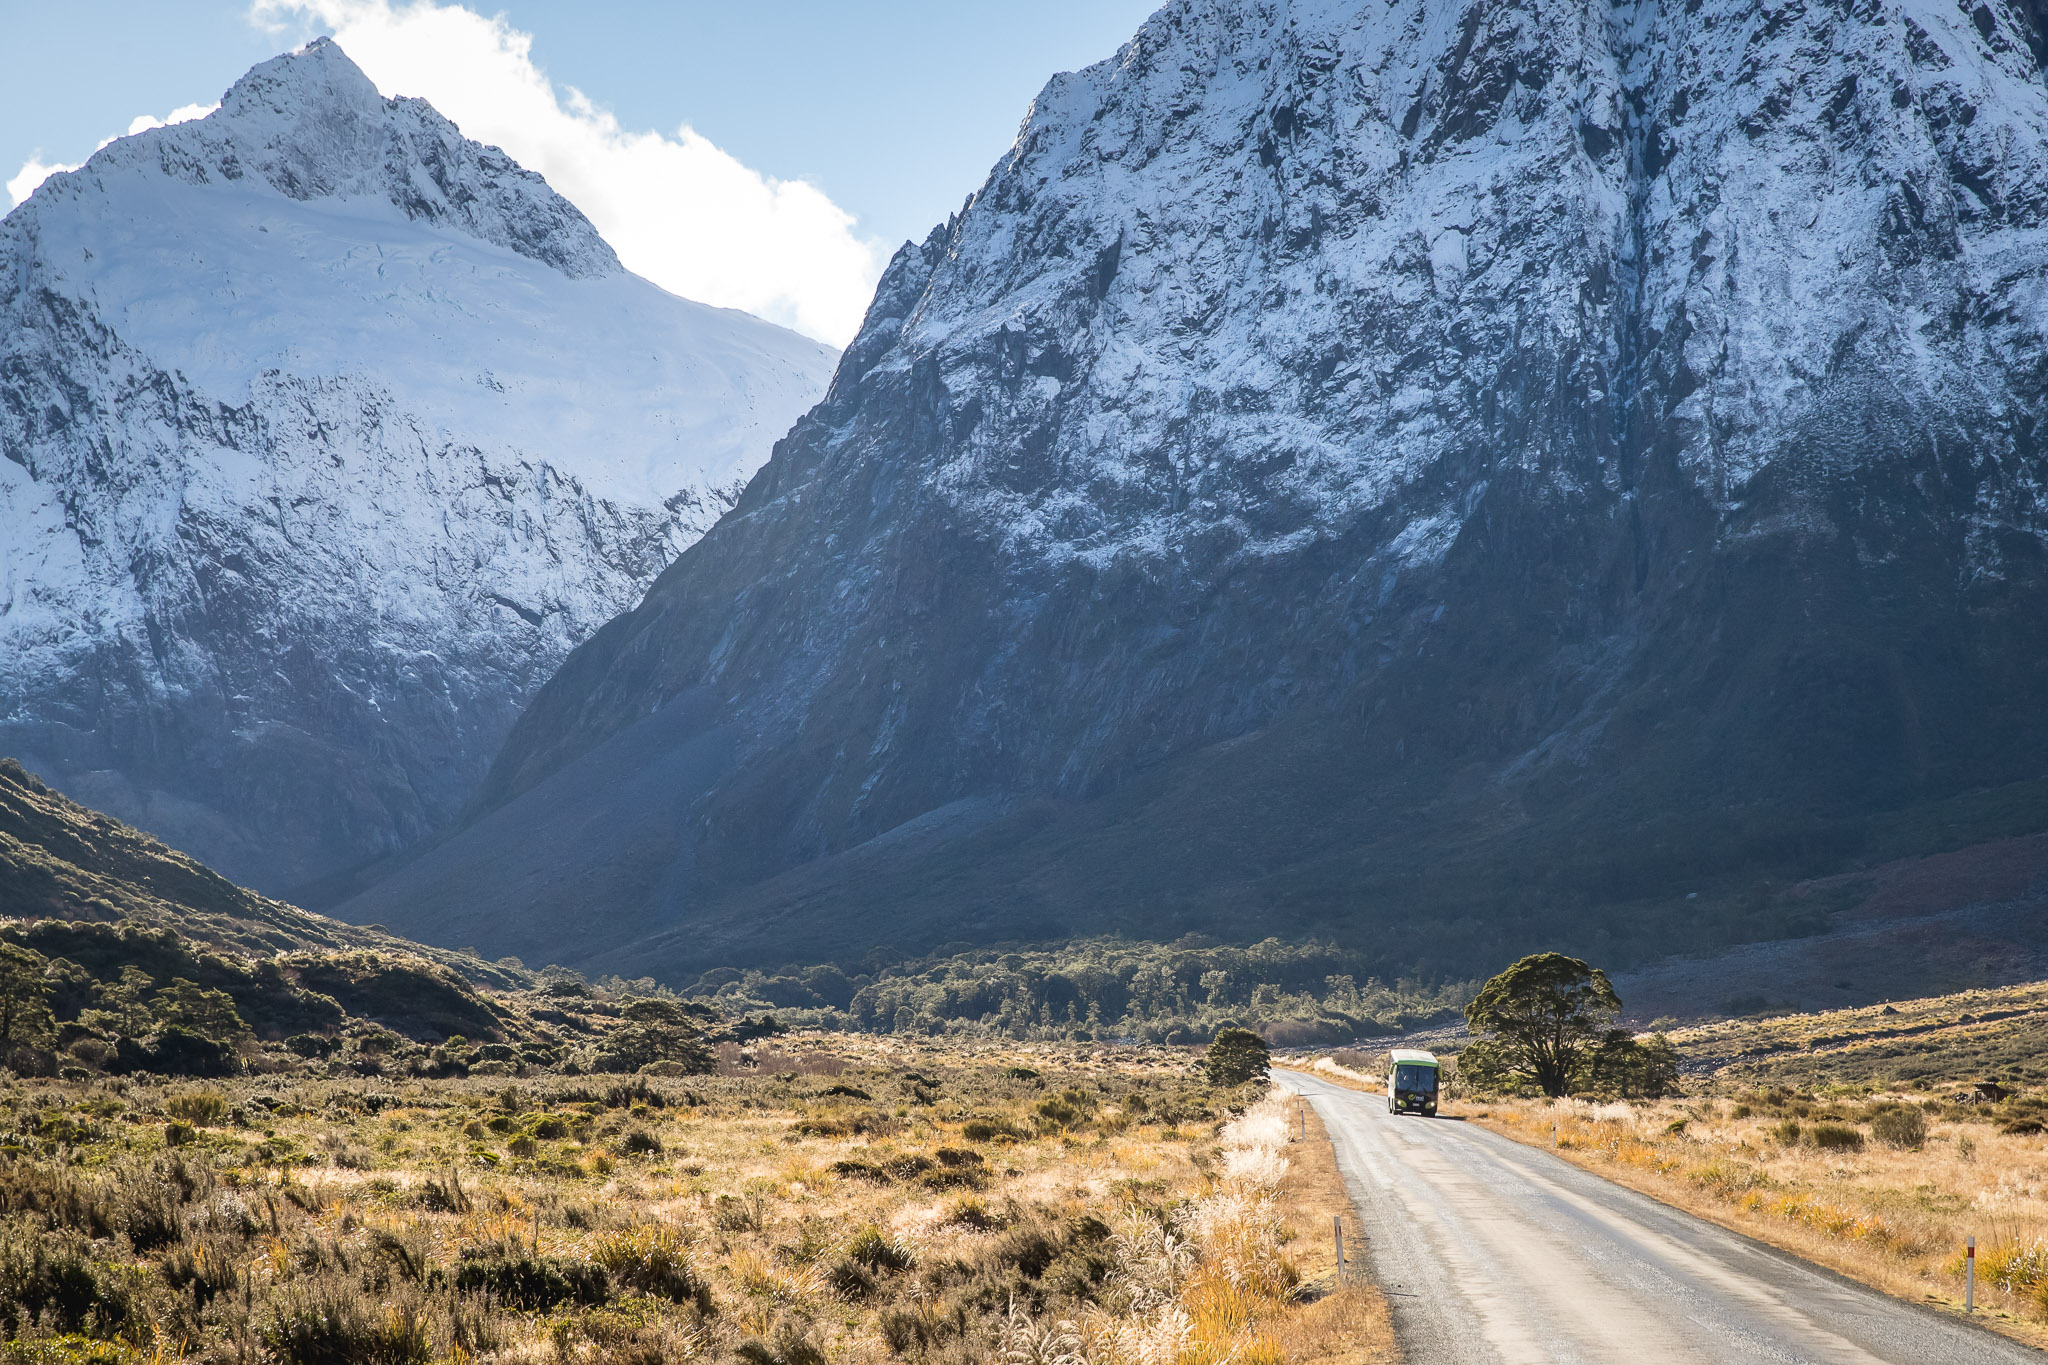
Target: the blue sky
(894, 111)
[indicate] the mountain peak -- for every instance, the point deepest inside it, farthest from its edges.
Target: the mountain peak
(319, 79)
(1419, 463)
(312, 125)
(266, 377)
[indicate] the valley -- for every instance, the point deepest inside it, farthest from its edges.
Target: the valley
(542, 821)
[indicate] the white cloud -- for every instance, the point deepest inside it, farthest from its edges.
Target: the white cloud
(184, 113)
(677, 209)
(35, 170)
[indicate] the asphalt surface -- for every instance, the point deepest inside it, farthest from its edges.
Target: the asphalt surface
(1493, 1252)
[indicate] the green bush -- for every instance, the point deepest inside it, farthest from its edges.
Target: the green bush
(200, 1108)
(876, 1250)
(1836, 1137)
(339, 1325)
(653, 1260)
(53, 1281)
(532, 1283)
(1904, 1128)
(984, 1130)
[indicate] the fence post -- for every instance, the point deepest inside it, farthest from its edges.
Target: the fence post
(1337, 1226)
(1970, 1275)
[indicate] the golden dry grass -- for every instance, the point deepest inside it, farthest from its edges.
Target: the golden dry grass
(865, 1202)
(1339, 1325)
(1937, 1044)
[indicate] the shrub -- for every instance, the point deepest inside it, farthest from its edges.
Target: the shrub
(984, 1130)
(789, 1345)
(1633, 1069)
(437, 1197)
(640, 1142)
(876, 1250)
(1787, 1131)
(850, 1279)
(1904, 1128)
(1061, 1111)
(1028, 1249)
(338, 1325)
(654, 1260)
(861, 1170)
(1836, 1137)
(532, 1283)
(730, 1213)
(205, 1272)
(153, 1217)
(904, 1331)
(200, 1108)
(54, 1281)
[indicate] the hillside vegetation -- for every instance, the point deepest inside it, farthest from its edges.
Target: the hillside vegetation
(121, 957)
(60, 860)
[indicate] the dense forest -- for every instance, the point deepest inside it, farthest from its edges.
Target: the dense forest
(1095, 989)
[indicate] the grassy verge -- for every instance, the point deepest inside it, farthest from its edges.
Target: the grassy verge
(1815, 1176)
(1347, 1324)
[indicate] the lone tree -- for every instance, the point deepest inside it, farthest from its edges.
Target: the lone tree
(24, 999)
(656, 1030)
(1546, 1013)
(1235, 1056)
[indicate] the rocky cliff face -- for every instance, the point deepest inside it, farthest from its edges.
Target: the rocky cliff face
(1364, 465)
(328, 433)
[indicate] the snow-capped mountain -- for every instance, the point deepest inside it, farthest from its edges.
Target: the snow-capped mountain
(1457, 476)
(328, 433)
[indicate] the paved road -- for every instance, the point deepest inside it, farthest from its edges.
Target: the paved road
(1493, 1252)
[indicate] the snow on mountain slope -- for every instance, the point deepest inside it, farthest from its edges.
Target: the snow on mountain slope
(1367, 461)
(328, 434)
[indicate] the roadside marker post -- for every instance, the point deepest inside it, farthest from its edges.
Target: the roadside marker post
(1970, 1275)
(1337, 1226)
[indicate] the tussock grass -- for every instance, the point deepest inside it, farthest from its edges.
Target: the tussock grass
(921, 1202)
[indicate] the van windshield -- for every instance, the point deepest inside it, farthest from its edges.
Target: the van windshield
(1421, 1078)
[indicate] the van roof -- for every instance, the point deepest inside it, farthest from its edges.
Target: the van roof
(1408, 1056)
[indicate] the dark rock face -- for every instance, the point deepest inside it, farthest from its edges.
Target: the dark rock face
(1453, 476)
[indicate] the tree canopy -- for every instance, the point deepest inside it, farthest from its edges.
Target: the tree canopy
(1546, 1013)
(24, 998)
(1236, 1055)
